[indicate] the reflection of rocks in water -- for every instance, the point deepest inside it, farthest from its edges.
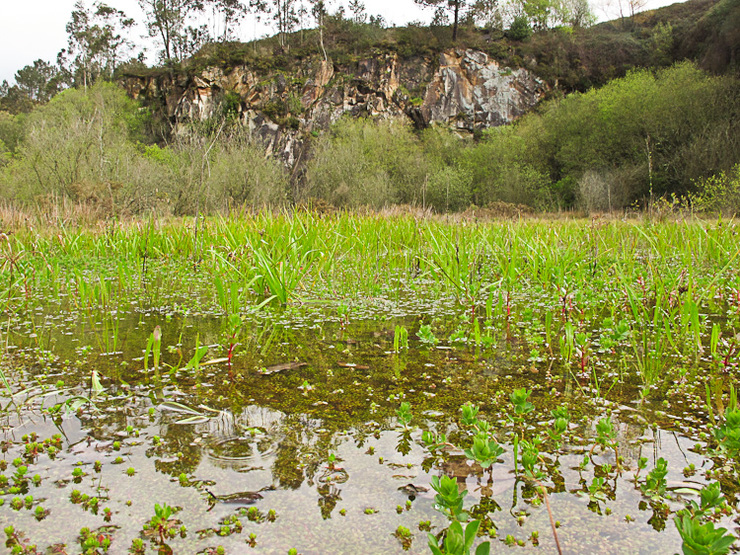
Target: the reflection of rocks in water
(459, 468)
(329, 495)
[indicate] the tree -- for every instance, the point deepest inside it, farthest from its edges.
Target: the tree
(39, 81)
(13, 100)
(96, 42)
(539, 13)
(455, 6)
(520, 28)
(577, 13)
(487, 14)
(284, 14)
(232, 12)
(167, 19)
(357, 7)
(318, 10)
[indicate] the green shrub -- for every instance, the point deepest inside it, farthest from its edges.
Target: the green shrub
(366, 163)
(520, 28)
(719, 193)
(77, 146)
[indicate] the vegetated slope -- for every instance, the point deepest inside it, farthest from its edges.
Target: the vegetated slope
(704, 31)
(608, 136)
(283, 94)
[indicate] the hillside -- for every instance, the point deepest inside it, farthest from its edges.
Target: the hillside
(484, 79)
(704, 31)
(618, 115)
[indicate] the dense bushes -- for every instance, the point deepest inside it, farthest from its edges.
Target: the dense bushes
(643, 136)
(86, 147)
(366, 163)
(647, 135)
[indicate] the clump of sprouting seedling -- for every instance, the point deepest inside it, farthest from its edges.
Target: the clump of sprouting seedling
(485, 450)
(232, 525)
(404, 536)
(606, 437)
(561, 419)
(153, 346)
(597, 492)
(520, 399)
(18, 543)
(162, 525)
(696, 528)
(400, 339)
(655, 481)
(87, 502)
(449, 501)
(403, 414)
(426, 336)
(91, 541)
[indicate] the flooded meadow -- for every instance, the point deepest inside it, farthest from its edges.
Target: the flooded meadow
(314, 384)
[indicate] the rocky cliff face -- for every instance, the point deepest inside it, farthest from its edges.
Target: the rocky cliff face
(464, 88)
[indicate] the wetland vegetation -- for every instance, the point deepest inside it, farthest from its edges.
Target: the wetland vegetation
(344, 383)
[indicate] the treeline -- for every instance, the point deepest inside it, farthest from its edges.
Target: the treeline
(671, 133)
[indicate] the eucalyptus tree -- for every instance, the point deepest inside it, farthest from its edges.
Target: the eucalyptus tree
(357, 7)
(285, 15)
(455, 6)
(96, 42)
(232, 12)
(319, 12)
(168, 21)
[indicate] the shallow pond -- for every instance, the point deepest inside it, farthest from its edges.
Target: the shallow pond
(159, 396)
(303, 423)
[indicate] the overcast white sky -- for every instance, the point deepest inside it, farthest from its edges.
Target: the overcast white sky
(35, 29)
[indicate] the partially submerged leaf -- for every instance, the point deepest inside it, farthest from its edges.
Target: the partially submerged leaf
(193, 420)
(281, 367)
(215, 361)
(179, 407)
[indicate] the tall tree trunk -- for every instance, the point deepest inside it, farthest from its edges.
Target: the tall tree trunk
(454, 26)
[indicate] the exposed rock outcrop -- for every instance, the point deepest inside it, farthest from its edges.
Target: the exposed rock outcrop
(472, 91)
(464, 88)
